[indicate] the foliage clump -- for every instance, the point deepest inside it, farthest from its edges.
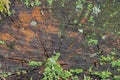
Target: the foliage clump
(54, 71)
(5, 7)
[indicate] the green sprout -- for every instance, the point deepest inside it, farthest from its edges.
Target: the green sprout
(34, 63)
(103, 74)
(93, 41)
(106, 58)
(96, 9)
(2, 42)
(32, 3)
(116, 63)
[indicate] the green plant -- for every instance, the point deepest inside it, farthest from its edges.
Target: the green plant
(103, 74)
(118, 69)
(50, 2)
(91, 38)
(5, 74)
(53, 70)
(87, 77)
(21, 72)
(74, 78)
(96, 9)
(92, 41)
(26, 2)
(2, 42)
(116, 77)
(106, 58)
(5, 7)
(32, 3)
(115, 63)
(79, 5)
(31, 78)
(34, 63)
(37, 3)
(76, 71)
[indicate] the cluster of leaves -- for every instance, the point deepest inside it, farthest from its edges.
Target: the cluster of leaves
(4, 7)
(2, 42)
(91, 38)
(103, 74)
(111, 59)
(113, 62)
(29, 3)
(4, 74)
(54, 71)
(34, 63)
(116, 63)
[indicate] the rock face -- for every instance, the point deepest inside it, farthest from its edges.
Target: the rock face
(31, 35)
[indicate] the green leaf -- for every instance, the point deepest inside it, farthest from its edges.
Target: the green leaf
(93, 41)
(116, 77)
(34, 63)
(50, 2)
(115, 63)
(27, 3)
(37, 2)
(66, 74)
(2, 42)
(56, 56)
(103, 74)
(5, 6)
(77, 71)
(32, 4)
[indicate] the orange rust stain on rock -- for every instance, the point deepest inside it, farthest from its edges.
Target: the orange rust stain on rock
(36, 14)
(15, 25)
(23, 48)
(52, 29)
(72, 34)
(25, 18)
(28, 34)
(7, 36)
(83, 21)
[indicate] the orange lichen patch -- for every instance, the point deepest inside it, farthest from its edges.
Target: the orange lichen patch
(25, 18)
(7, 36)
(71, 46)
(72, 34)
(15, 25)
(36, 14)
(23, 48)
(52, 29)
(28, 34)
(83, 21)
